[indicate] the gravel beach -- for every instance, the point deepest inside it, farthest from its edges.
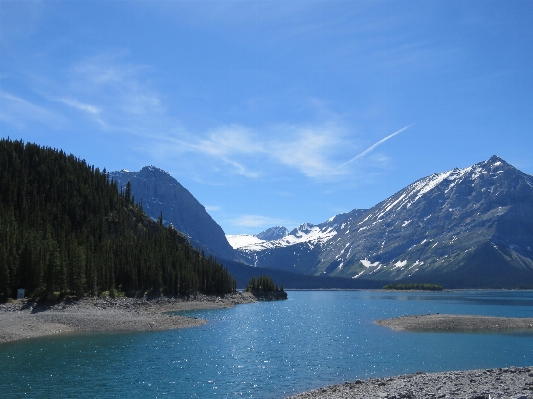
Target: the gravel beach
(452, 322)
(501, 383)
(22, 318)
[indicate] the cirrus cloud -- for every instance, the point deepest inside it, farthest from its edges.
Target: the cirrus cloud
(256, 221)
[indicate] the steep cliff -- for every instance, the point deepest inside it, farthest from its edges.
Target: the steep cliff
(161, 193)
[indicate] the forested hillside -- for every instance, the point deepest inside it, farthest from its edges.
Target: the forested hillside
(65, 229)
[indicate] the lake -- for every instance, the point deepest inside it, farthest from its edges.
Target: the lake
(268, 349)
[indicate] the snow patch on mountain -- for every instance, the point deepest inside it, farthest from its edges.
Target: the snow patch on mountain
(305, 233)
(243, 240)
(400, 263)
(367, 263)
(418, 189)
(425, 228)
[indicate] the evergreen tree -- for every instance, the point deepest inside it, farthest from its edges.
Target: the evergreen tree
(65, 228)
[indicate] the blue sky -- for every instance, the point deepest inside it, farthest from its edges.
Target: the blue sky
(278, 112)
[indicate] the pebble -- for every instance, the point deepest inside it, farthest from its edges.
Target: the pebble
(503, 383)
(24, 318)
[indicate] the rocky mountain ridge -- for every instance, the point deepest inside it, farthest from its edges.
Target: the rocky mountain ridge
(160, 193)
(273, 233)
(464, 227)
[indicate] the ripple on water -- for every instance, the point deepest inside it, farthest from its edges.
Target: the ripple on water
(267, 349)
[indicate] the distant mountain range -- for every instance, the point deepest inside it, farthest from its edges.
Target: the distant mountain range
(160, 193)
(469, 227)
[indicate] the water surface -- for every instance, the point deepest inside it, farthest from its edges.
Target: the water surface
(268, 349)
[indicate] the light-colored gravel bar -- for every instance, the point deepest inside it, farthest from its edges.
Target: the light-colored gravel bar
(502, 383)
(452, 322)
(22, 318)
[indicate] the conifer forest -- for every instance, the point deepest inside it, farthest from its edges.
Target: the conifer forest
(65, 229)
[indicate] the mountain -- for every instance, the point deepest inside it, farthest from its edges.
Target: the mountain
(161, 193)
(299, 247)
(66, 230)
(297, 281)
(273, 233)
(470, 227)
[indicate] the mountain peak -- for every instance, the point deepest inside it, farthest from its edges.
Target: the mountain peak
(152, 168)
(303, 228)
(273, 233)
(162, 193)
(495, 158)
(466, 227)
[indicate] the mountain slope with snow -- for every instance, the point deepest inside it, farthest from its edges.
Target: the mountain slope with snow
(464, 227)
(299, 246)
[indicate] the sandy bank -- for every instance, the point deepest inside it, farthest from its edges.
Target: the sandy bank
(451, 322)
(508, 383)
(24, 319)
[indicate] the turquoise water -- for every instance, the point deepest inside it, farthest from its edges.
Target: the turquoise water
(268, 349)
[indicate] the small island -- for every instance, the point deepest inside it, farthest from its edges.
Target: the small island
(263, 288)
(457, 323)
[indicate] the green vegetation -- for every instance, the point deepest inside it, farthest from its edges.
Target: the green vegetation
(264, 286)
(414, 286)
(66, 230)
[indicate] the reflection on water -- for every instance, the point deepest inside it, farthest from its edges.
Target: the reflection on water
(268, 349)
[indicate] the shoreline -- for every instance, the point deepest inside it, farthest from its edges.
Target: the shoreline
(495, 383)
(23, 319)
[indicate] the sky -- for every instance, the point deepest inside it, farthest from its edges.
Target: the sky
(272, 112)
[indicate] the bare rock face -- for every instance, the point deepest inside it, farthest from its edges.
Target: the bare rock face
(161, 193)
(273, 233)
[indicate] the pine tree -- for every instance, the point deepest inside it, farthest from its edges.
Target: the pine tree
(65, 227)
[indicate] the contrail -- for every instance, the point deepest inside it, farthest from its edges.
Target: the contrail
(373, 146)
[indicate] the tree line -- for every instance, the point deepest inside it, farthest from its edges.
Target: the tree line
(65, 229)
(414, 286)
(262, 284)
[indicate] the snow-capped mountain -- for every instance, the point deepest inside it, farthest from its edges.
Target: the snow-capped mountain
(452, 228)
(306, 238)
(273, 233)
(160, 192)
(247, 240)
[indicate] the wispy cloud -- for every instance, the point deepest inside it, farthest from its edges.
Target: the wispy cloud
(118, 95)
(372, 147)
(121, 86)
(19, 112)
(229, 140)
(256, 221)
(308, 149)
(241, 169)
(91, 109)
(123, 98)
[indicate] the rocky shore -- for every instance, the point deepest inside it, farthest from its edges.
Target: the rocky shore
(22, 319)
(501, 383)
(452, 322)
